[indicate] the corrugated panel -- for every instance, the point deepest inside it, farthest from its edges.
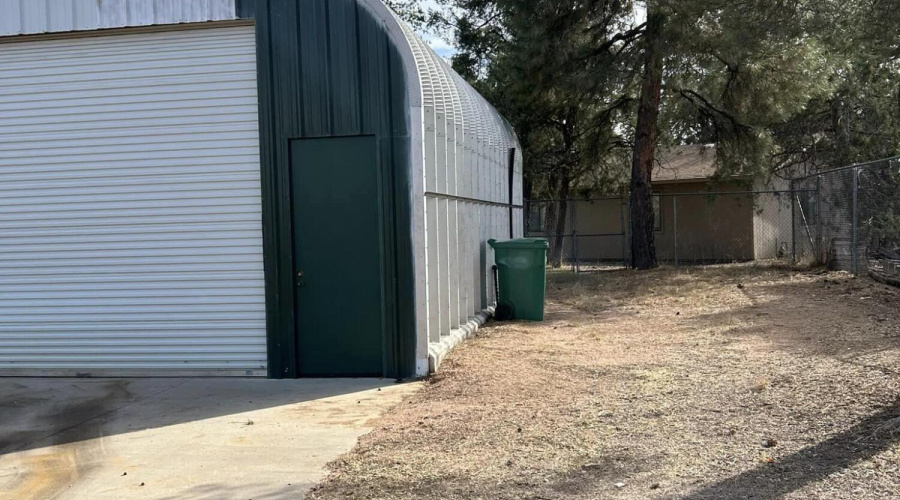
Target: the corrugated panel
(130, 204)
(464, 153)
(303, 93)
(23, 17)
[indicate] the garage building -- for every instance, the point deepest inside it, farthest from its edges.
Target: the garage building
(274, 188)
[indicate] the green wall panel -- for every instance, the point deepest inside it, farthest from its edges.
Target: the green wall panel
(328, 68)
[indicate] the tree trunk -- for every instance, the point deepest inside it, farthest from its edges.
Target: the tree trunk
(550, 231)
(643, 246)
(562, 213)
(555, 219)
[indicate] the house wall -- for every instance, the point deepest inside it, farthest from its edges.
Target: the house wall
(772, 227)
(709, 228)
(598, 224)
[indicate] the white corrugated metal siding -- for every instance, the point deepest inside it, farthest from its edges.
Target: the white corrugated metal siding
(22, 17)
(462, 164)
(130, 210)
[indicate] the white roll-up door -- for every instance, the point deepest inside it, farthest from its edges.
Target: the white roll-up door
(130, 205)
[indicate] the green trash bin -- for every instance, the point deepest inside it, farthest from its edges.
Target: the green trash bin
(522, 276)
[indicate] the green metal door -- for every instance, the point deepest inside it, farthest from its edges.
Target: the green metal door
(338, 256)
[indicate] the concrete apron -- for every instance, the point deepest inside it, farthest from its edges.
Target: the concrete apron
(180, 438)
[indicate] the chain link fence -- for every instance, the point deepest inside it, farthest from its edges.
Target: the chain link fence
(584, 234)
(690, 228)
(858, 228)
(847, 219)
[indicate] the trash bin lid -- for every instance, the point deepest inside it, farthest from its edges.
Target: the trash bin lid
(536, 243)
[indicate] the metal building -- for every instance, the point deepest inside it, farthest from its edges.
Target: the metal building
(279, 188)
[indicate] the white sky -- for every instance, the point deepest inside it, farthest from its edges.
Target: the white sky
(446, 50)
(439, 45)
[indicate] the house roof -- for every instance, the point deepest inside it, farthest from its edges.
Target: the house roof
(686, 163)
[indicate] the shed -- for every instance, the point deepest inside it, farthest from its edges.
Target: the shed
(281, 188)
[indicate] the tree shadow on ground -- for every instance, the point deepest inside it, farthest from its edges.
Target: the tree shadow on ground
(815, 318)
(866, 439)
(849, 321)
(845, 321)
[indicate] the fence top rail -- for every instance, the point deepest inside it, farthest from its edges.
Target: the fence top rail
(557, 200)
(847, 167)
(692, 193)
(734, 193)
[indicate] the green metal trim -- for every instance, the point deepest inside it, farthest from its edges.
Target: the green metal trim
(280, 339)
(304, 77)
(403, 296)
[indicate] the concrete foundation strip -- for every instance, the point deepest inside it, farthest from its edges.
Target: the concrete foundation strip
(437, 351)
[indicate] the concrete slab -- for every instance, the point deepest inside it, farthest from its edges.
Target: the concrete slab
(180, 438)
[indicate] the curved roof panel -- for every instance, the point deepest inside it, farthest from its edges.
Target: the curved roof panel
(435, 84)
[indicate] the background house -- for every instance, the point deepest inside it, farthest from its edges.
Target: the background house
(697, 219)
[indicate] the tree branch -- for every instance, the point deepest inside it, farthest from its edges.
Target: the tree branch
(627, 36)
(704, 105)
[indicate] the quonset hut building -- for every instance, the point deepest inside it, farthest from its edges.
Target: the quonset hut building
(281, 188)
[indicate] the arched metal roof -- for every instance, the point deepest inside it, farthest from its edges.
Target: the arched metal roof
(433, 83)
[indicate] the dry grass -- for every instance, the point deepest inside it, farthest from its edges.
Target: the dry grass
(721, 382)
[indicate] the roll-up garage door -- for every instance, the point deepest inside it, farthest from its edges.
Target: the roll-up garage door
(130, 205)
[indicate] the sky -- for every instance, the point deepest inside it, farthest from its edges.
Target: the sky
(446, 50)
(439, 45)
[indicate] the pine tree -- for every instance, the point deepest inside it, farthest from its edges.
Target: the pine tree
(643, 247)
(777, 86)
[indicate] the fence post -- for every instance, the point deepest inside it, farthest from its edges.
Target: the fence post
(526, 209)
(575, 233)
(674, 226)
(820, 255)
(625, 206)
(793, 223)
(855, 251)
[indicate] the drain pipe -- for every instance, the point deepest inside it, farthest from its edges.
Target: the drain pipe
(496, 271)
(502, 312)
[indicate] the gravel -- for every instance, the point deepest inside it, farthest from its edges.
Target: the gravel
(657, 385)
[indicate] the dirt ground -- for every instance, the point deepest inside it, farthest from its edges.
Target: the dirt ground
(703, 383)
